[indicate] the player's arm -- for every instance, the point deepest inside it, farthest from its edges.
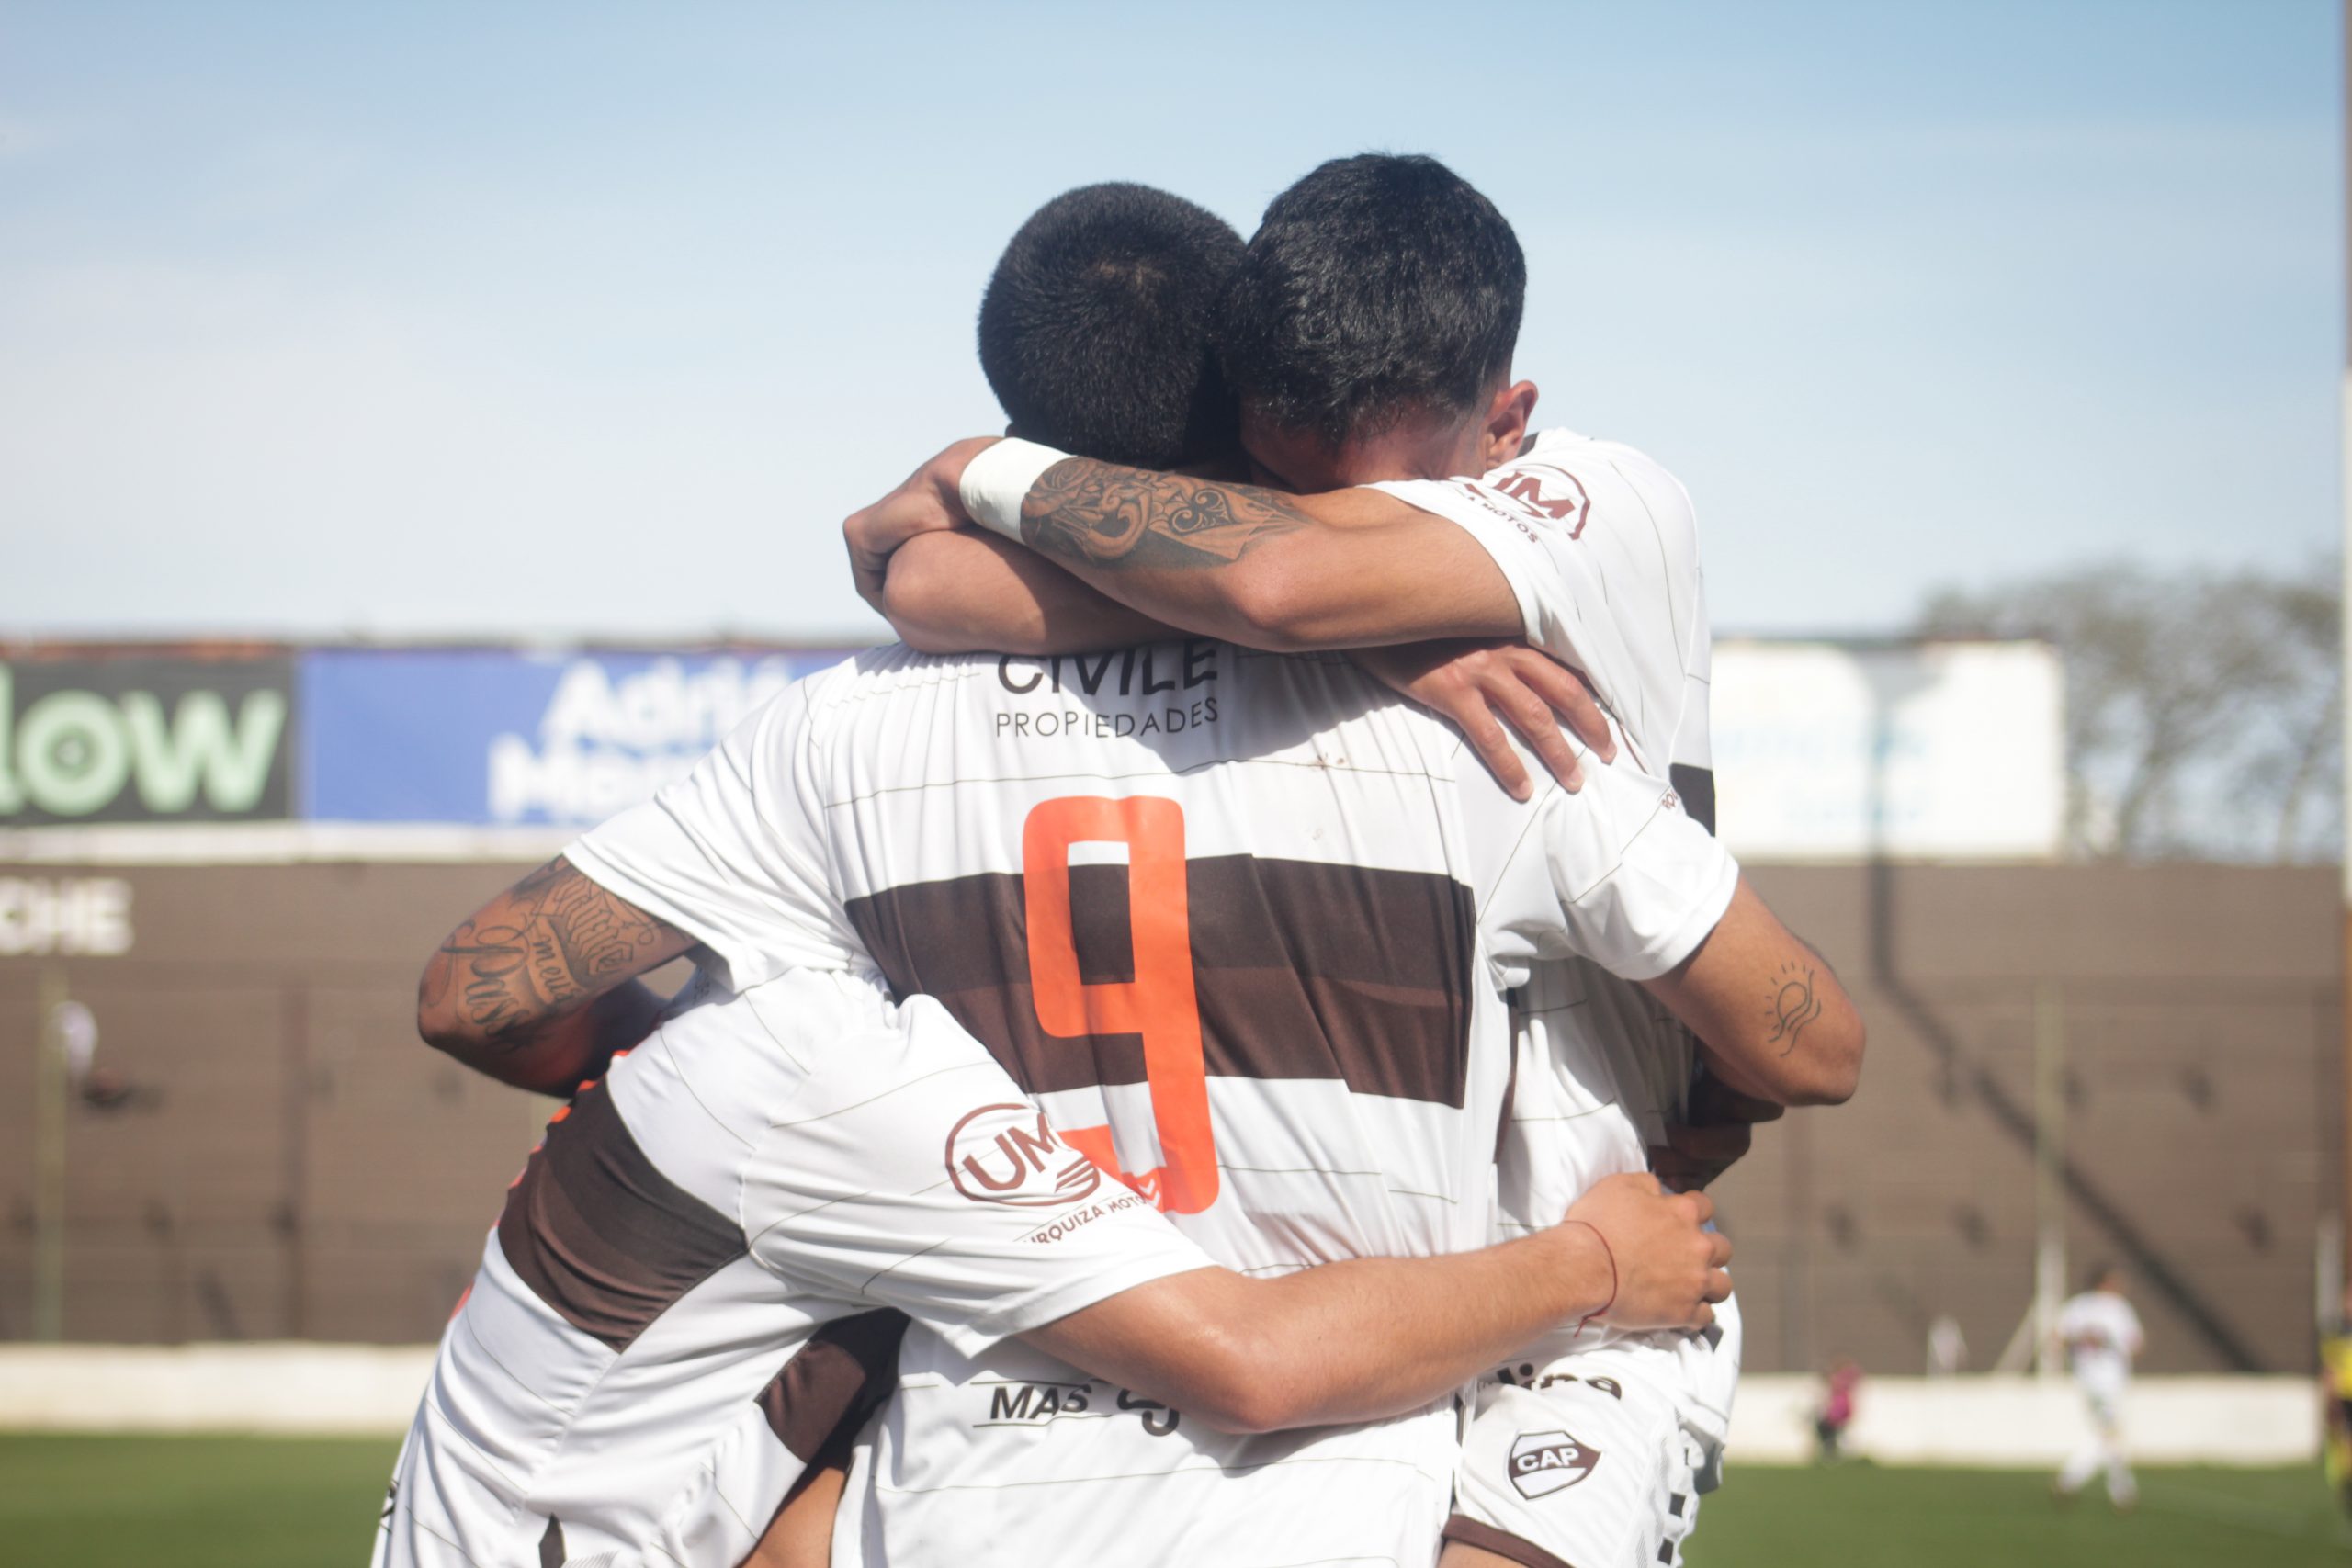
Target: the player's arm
(1629, 881)
(963, 592)
(1774, 1018)
(947, 588)
(1349, 569)
(1377, 1337)
(539, 986)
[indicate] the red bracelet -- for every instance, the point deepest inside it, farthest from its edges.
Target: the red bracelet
(1609, 1253)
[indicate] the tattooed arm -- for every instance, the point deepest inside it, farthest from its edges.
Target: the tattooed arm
(1348, 569)
(539, 986)
(966, 591)
(947, 588)
(1774, 1020)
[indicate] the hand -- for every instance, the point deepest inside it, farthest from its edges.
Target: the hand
(1482, 686)
(1669, 1270)
(931, 500)
(1713, 1134)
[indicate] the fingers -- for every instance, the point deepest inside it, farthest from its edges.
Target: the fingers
(1567, 695)
(1702, 1206)
(1525, 712)
(1718, 1285)
(1487, 737)
(1705, 1317)
(1718, 1249)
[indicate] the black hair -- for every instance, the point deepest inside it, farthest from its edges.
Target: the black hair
(1097, 332)
(1378, 287)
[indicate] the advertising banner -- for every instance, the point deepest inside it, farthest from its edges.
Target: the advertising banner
(145, 738)
(1918, 752)
(498, 737)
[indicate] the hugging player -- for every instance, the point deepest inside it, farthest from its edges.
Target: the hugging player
(1344, 890)
(1368, 338)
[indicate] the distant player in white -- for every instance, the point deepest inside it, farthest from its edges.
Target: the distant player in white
(677, 1313)
(2099, 1335)
(1590, 553)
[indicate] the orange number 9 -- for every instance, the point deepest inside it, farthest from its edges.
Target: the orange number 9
(1159, 1003)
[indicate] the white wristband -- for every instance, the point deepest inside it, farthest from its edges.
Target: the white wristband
(997, 481)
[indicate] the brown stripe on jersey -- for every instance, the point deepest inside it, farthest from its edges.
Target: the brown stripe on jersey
(551, 1552)
(1304, 970)
(1697, 788)
(602, 1236)
(834, 1384)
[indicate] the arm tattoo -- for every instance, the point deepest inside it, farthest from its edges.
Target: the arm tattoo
(1794, 1005)
(1104, 515)
(552, 941)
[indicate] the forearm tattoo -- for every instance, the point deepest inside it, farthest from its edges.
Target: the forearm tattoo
(552, 941)
(1102, 516)
(1794, 1005)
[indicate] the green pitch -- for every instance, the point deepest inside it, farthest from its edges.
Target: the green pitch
(1859, 1515)
(252, 1502)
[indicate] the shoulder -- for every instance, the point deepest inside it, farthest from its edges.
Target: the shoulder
(818, 703)
(1602, 473)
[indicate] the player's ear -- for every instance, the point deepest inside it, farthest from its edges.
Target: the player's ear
(1507, 418)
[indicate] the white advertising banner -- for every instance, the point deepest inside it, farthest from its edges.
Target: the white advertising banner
(1949, 750)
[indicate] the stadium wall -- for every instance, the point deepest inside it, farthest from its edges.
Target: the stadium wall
(362, 1389)
(262, 1150)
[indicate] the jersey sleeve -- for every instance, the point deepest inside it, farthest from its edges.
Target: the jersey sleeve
(731, 854)
(1532, 516)
(1617, 872)
(918, 1176)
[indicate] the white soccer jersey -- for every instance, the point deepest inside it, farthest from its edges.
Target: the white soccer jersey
(677, 1310)
(2101, 1333)
(1241, 923)
(1599, 545)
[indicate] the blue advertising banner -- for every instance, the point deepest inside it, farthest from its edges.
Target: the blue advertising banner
(498, 737)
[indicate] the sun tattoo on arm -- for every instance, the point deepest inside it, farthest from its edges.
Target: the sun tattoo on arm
(1792, 1006)
(551, 943)
(1105, 515)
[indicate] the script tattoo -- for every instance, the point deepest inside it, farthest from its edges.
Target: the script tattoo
(537, 952)
(1110, 516)
(1794, 1005)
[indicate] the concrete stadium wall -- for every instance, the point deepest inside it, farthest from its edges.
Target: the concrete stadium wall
(286, 1161)
(370, 1390)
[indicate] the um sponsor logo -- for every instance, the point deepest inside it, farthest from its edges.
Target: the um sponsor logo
(1010, 1153)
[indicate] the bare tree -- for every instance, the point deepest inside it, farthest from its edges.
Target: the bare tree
(2203, 711)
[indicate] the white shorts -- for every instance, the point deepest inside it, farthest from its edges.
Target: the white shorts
(1597, 1459)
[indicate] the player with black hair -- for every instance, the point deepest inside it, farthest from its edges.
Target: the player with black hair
(1378, 290)
(1094, 323)
(1369, 341)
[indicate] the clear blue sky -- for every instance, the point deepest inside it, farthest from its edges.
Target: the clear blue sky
(538, 318)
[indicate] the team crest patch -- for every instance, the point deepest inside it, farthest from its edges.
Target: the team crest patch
(1545, 1462)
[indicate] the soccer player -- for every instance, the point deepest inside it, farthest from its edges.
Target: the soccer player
(1356, 1141)
(678, 1313)
(1369, 339)
(2100, 1334)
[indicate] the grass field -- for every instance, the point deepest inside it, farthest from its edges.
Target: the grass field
(245, 1503)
